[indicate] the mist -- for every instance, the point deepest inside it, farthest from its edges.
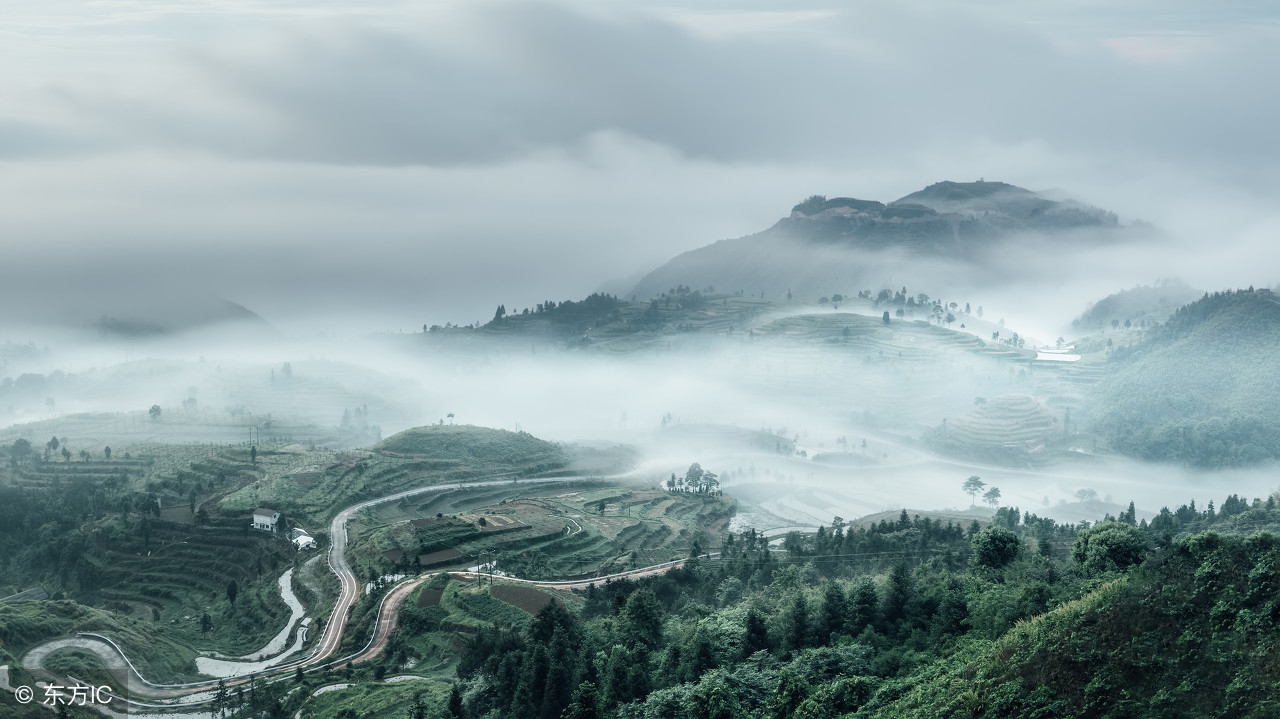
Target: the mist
(349, 175)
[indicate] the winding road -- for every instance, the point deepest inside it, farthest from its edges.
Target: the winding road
(195, 694)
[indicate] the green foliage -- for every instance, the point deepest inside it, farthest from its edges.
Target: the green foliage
(489, 450)
(995, 547)
(1199, 390)
(1109, 547)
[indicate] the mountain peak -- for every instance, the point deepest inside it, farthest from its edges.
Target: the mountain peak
(980, 196)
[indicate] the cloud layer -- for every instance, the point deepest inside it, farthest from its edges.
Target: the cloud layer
(403, 164)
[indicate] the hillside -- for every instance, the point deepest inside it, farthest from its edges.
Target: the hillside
(1010, 428)
(824, 245)
(1200, 389)
(1139, 306)
(1190, 633)
(905, 617)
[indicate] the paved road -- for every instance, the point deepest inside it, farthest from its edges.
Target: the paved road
(198, 693)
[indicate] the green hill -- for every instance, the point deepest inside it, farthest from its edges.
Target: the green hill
(495, 450)
(1192, 633)
(1200, 389)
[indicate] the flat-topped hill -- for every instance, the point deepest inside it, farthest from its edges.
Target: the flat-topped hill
(959, 220)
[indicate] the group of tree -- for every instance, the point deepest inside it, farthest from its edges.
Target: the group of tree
(881, 620)
(695, 480)
(973, 486)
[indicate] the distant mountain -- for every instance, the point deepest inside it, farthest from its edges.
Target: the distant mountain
(1202, 388)
(1139, 306)
(810, 249)
(182, 317)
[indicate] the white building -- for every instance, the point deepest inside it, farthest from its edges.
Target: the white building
(301, 539)
(265, 519)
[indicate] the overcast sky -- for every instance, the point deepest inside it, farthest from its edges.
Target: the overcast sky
(382, 164)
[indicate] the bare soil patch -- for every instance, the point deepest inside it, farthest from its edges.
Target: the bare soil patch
(524, 598)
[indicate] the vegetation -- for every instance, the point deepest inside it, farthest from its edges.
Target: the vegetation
(905, 618)
(1199, 389)
(486, 451)
(1141, 306)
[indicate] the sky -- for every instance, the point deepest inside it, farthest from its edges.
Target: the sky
(374, 166)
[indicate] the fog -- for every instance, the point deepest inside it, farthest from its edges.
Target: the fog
(349, 173)
(783, 422)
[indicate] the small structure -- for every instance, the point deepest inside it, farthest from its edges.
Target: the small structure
(265, 519)
(301, 540)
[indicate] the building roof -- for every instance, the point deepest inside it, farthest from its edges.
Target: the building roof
(264, 512)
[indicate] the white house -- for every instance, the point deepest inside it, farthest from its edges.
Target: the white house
(265, 519)
(301, 539)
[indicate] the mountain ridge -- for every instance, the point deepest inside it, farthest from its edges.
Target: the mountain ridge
(825, 243)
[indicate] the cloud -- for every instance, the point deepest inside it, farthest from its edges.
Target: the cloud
(494, 82)
(413, 163)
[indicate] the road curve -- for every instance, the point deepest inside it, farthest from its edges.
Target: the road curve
(199, 693)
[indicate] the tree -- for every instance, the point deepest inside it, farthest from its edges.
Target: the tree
(253, 454)
(994, 547)
(885, 317)
(992, 497)
(834, 609)
(585, 704)
(154, 412)
(206, 623)
(972, 486)
(1108, 547)
(220, 698)
(898, 592)
(20, 451)
(797, 623)
(233, 591)
(52, 444)
(641, 619)
(107, 452)
(790, 693)
(66, 454)
(693, 476)
(84, 455)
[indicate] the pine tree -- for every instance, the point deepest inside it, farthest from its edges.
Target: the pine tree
(559, 676)
(835, 608)
(797, 622)
(585, 704)
(757, 634)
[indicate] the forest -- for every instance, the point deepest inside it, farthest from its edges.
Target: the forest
(1025, 617)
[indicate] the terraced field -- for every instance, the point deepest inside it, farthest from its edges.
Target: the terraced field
(592, 528)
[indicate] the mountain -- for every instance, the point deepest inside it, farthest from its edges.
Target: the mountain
(173, 318)
(1200, 389)
(829, 245)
